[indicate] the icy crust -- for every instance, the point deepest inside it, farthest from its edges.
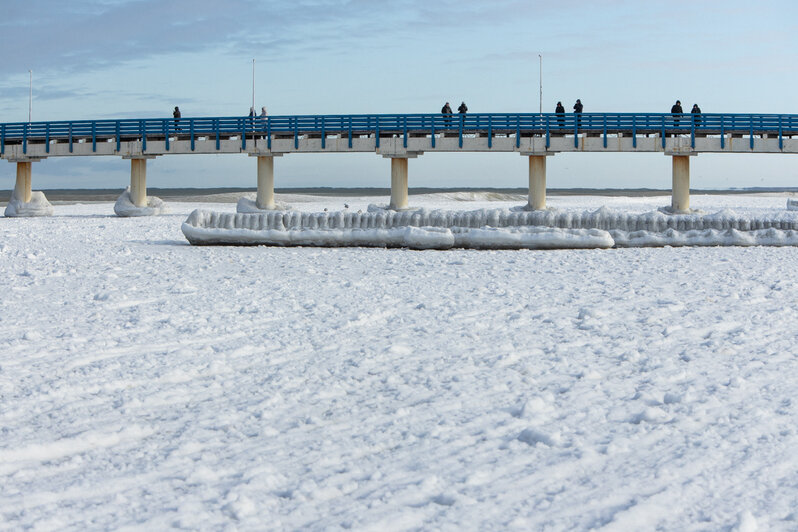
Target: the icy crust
(37, 206)
(487, 229)
(706, 237)
(125, 207)
(248, 204)
(208, 227)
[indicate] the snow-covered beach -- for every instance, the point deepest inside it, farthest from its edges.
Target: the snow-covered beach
(146, 383)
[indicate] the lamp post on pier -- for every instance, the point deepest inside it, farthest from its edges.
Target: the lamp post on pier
(540, 77)
(30, 95)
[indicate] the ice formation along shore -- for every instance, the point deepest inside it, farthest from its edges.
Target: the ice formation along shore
(125, 207)
(37, 206)
(514, 228)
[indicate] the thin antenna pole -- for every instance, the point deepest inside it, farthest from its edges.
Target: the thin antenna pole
(253, 83)
(30, 95)
(540, 75)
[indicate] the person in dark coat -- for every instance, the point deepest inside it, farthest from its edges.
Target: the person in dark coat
(696, 112)
(560, 110)
(676, 111)
(462, 109)
(446, 110)
(176, 115)
(578, 112)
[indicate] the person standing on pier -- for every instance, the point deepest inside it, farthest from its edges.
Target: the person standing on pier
(560, 110)
(696, 112)
(263, 118)
(446, 110)
(462, 109)
(676, 111)
(578, 112)
(176, 115)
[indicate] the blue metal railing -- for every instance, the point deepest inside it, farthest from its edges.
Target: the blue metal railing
(402, 125)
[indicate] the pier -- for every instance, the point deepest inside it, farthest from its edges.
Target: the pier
(399, 137)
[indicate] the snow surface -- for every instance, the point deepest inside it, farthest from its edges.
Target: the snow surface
(124, 206)
(147, 383)
(37, 206)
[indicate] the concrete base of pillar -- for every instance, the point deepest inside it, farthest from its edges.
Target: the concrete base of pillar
(680, 201)
(265, 195)
(537, 182)
(399, 195)
(138, 182)
(24, 202)
(22, 189)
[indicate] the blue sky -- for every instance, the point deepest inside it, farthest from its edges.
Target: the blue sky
(97, 59)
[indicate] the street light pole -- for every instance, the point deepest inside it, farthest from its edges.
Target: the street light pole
(253, 84)
(30, 95)
(540, 76)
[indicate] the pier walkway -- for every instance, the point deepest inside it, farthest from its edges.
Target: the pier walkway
(400, 137)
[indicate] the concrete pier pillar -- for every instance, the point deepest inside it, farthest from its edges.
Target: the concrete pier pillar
(680, 201)
(537, 182)
(265, 195)
(22, 189)
(138, 182)
(398, 183)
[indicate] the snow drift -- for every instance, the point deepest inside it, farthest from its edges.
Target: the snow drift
(125, 207)
(37, 206)
(249, 204)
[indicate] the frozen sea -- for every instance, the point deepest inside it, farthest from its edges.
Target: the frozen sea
(147, 384)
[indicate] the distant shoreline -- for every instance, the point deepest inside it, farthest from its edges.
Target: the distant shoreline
(200, 194)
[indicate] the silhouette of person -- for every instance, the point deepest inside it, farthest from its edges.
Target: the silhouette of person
(462, 109)
(560, 110)
(696, 112)
(176, 115)
(447, 113)
(263, 118)
(676, 111)
(578, 111)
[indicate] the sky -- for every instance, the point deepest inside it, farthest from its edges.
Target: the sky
(105, 59)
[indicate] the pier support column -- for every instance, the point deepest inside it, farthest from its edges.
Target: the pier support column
(23, 201)
(680, 201)
(135, 201)
(398, 183)
(537, 182)
(22, 189)
(138, 182)
(265, 195)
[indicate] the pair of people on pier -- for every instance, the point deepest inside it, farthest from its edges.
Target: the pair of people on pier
(446, 111)
(252, 113)
(560, 112)
(676, 111)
